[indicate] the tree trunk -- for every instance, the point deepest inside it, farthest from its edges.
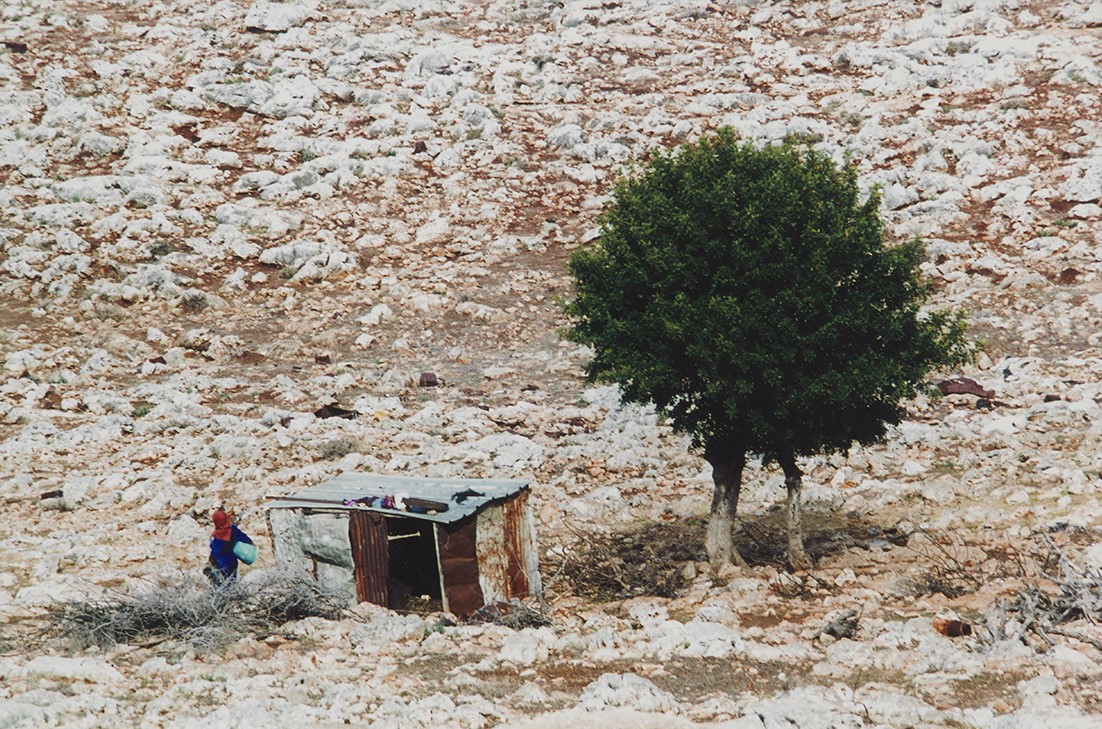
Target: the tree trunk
(793, 483)
(727, 468)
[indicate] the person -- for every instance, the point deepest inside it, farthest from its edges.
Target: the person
(222, 564)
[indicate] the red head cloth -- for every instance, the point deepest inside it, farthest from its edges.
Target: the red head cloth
(221, 525)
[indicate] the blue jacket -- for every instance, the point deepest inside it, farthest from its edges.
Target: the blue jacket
(221, 552)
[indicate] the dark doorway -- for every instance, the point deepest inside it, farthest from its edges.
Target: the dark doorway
(414, 580)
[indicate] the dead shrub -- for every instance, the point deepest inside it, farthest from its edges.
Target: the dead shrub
(191, 611)
(957, 567)
(951, 572)
(1058, 591)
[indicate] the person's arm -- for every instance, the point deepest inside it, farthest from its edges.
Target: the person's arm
(240, 536)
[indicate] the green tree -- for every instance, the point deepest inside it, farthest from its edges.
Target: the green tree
(748, 293)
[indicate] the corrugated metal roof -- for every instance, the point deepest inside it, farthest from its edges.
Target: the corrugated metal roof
(350, 490)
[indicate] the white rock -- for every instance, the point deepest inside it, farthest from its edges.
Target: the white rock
(1086, 211)
(620, 718)
(100, 189)
(373, 404)
(22, 715)
(505, 451)
(1066, 661)
(648, 614)
(528, 646)
(185, 531)
(279, 17)
(72, 669)
(1092, 556)
(296, 97)
(913, 468)
(627, 690)
(433, 231)
(386, 627)
(695, 638)
(50, 591)
(480, 312)
(376, 315)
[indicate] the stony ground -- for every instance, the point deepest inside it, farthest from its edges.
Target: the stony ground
(219, 217)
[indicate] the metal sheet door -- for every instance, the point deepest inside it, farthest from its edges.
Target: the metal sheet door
(370, 554)
(459, 566)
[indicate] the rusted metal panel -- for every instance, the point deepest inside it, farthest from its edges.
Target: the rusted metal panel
(367, 533)
(514, 527)
(493, 565)
(529, 549)
(459, 566)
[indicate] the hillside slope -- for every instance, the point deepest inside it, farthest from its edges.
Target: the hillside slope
(219, 217)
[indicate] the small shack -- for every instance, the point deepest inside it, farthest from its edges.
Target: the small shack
(462, 543)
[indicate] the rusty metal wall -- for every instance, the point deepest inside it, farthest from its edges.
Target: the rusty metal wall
(515, 510)
(493, 564)
(371, 554)
(459, 566)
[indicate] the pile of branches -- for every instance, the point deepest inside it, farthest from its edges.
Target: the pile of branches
(1072, 593)
(649, 560)
(187, 610)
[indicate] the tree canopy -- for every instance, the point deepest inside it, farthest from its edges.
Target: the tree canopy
(748, 293)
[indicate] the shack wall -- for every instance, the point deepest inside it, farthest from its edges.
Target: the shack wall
(519, 546)
(316, 544)
(508, 561)
(460, 571)
(529, 546)
(493, 564)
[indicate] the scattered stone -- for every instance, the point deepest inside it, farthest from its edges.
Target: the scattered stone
(843, 625)
(952, 628)
(334, 411)
(627, 690)
(964, 386)
(73, 669)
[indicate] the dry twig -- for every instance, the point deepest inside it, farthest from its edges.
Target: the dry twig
(1074, 593)
(613, 566)
(953, 572)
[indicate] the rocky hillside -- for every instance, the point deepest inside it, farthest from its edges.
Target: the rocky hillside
(220, 217)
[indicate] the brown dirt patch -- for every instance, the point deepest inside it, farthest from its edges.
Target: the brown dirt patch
(659, 559)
